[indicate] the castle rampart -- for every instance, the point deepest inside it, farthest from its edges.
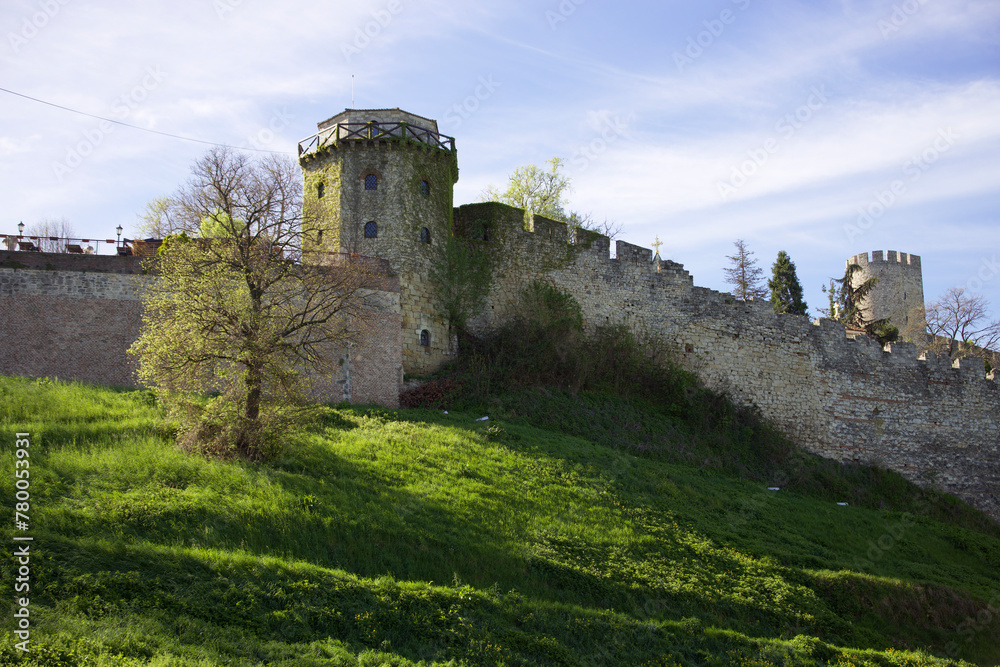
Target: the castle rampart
(380, 182)
(934, 422)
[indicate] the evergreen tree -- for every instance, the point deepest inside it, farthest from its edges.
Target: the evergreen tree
(832, 296)
(786, 291)
(744, 275)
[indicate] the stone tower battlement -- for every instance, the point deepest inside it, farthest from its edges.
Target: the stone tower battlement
(899, 293)
(379, 183)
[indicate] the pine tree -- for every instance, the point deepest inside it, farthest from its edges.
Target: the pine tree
(786, 291)
(745, 275)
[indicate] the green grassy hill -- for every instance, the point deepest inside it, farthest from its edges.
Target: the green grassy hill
(542, 536)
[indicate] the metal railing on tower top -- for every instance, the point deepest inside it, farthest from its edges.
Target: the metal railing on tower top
(374, 131)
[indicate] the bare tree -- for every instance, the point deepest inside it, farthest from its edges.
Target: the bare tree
(962, 322)
(744, 274)
(608, 228)
(233, 313)
(161, 218)
(52, 234)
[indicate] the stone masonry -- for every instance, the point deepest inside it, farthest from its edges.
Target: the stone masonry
(850, 400)
(74, 317)
(379, 183)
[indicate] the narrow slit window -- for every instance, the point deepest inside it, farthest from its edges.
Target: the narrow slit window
(425, 235)
(425, 188)
(320, 190)
(371, 182)
(371, 230)
(425, 338)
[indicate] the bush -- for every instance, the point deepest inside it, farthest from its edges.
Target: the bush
(428, 395)
(546, 345)
(215, 427)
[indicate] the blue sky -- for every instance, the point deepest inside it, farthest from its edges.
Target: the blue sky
(823, 128)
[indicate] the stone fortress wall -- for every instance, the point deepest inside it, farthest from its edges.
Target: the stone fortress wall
(850, 400)
(934, 422)
(74, 317)
(929, 419)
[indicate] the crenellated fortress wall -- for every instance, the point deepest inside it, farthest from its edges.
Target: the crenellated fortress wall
(850, 400)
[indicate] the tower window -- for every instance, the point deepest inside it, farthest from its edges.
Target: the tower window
(375, 131)
(371, 182)
(371, 230)
(319, 236)
(425, 188)
(425, 338)
(320, 190)
(481, 230)
(425, 235)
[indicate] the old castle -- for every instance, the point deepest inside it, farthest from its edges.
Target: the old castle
(381, 183)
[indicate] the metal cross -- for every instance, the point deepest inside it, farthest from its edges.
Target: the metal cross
(657, 245)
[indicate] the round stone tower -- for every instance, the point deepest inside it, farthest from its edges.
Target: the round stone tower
(379, 183)
(899, 292)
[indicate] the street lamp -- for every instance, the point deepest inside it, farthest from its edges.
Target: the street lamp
(20, 229)
(119, 230)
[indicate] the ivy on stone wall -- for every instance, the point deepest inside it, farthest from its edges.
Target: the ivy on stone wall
(462, 276)
(322, 214)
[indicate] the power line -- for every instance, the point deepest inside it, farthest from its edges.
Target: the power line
(143, 129)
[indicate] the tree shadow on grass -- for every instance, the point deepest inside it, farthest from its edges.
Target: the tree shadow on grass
(220, 605)
(343, 515)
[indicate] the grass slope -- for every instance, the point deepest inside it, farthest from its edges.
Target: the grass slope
(416, 537)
